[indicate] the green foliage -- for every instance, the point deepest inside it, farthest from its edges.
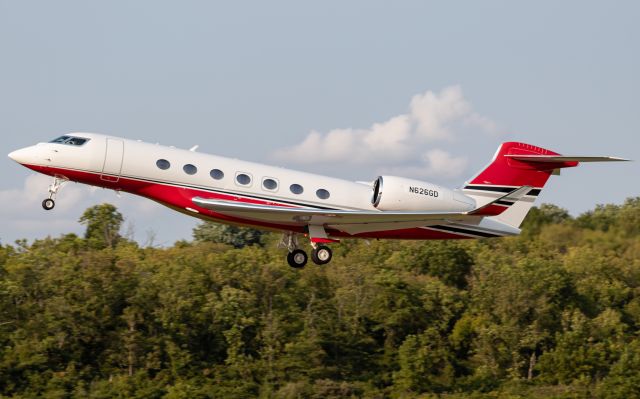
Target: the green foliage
(544, 215)
(623, 218)
(623, 380)
(103, 225)
(235, 236)
(426, 363)
(552, 313)
(447, 260)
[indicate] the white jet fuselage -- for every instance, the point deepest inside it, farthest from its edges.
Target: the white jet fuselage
(491, 204)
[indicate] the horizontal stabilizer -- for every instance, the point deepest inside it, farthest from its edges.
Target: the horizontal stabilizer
(562, 158)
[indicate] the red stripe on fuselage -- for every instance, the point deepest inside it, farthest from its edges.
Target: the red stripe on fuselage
(173, 196)
(179, 198)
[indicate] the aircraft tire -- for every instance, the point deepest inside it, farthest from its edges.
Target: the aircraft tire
(321, 255)
(48, 204)
(297, 258)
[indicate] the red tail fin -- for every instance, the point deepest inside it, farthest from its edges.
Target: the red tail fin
(517, 165)
(506, 173)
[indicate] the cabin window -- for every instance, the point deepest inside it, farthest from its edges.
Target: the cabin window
(270, 184)
(322, 193)
(163, 164)
(243, 179)
(216, 174)
(296, 188)
(189, 169)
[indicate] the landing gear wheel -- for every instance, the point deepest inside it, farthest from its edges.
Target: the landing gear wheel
(297, 258)
(48, 204)
(321, 255)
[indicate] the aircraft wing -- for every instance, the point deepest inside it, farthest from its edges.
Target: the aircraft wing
(306, 216)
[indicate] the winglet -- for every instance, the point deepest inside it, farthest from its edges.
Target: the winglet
(501, 204)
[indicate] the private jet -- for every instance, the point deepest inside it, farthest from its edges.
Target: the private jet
(319, 208)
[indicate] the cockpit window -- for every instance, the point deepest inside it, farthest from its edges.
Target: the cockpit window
(76, 141)
(60, 139)
(70, 140)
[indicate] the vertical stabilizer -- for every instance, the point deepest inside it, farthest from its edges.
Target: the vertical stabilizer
(515, 165)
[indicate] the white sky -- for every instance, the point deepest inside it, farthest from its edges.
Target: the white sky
(350, 89)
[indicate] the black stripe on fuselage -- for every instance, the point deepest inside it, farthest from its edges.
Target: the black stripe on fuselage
(464, 231)
(533, 191)
(490, 188)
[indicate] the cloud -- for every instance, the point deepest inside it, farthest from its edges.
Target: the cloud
(34, 190)
(387, 139)
(23, 216)
(434, 113)
(433, 163)
(403, 143)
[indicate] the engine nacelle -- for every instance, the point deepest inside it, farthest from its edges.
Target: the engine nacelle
(392, 193)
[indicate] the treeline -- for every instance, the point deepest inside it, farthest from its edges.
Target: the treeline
(554, 312)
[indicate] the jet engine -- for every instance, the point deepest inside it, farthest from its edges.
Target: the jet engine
(392, 193)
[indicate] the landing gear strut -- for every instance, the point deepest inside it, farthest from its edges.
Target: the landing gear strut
(297, 258)
(49, 203)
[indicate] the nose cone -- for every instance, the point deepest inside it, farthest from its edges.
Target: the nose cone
(21, 156)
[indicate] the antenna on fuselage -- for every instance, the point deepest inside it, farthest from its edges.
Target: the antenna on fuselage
(194, 148)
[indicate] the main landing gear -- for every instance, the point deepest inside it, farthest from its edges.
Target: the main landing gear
(321, 255)
(49, 203)
(297, 258)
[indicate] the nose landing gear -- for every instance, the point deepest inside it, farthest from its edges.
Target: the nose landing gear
(49, 203)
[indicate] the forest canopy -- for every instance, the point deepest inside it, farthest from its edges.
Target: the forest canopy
(554, 312)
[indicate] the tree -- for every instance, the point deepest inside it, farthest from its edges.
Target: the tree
(447, 260)
(425, 363)
(103, 225)
(624, 218)
(543, 215)
(624, 379)
(236, 236)
(516, 302)
(554, 314)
